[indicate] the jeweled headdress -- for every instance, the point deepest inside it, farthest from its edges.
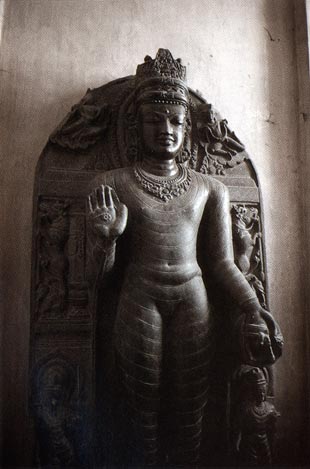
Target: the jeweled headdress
(252, 375)
(161, 80)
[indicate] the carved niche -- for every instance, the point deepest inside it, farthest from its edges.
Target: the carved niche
(68, 393)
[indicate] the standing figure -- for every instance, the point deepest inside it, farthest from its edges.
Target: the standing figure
(161, 333)
(257, 419)
(56, 417)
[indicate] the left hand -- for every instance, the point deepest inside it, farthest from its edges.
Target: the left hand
(260, 338)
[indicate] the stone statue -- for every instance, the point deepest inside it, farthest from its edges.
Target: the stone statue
(149, 287)
(256, 418)
(163, 210)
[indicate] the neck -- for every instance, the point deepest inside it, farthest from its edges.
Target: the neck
(160, 167)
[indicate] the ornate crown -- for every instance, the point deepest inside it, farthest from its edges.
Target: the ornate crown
(254, 376)
(164, 65)
(161, 80)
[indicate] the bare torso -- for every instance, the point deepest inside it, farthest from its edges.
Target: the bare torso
(163, 235)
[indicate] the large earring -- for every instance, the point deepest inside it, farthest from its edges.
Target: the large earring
(185, 152)
(132, 150)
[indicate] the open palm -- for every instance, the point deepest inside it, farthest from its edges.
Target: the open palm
(106, 215)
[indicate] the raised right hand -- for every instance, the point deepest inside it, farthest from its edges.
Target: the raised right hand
(106, 215)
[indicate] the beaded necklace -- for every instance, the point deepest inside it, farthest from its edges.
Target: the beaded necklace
(162, 187)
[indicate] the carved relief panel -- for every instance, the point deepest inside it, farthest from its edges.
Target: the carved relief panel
(70, 341)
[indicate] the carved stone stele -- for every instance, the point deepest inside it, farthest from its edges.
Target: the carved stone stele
(150, 330)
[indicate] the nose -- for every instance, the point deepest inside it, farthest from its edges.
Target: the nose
(166, 127)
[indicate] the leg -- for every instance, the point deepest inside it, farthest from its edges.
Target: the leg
(138, 335)
(188, 349)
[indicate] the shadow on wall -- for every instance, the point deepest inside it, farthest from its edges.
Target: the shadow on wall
(291, 446)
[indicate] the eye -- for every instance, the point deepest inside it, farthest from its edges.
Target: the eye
(177, 121)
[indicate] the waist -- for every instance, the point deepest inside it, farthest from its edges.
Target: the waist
(163, 274)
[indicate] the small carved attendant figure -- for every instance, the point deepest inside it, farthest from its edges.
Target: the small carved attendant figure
(221, 143)
(246, 236)
(53, 235)
(257, 419)
(161, 329)
(55, 418)
(242, 226)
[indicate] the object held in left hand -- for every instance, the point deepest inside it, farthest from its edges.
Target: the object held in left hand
(260, 338)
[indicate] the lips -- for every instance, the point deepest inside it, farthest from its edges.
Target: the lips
(166, 140)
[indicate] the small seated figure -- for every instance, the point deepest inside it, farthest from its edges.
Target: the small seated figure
(257, 420)
(217, 134)
(161, 334)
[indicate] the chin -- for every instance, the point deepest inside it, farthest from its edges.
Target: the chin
(167, 154)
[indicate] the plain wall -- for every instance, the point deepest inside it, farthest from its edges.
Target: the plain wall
(241, 55)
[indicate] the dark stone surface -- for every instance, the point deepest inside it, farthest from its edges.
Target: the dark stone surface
(164, 156)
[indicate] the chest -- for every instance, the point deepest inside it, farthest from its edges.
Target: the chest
(184, 211)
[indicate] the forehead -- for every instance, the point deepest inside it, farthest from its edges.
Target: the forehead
(168, 109)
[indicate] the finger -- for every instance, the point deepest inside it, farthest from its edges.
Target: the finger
(274, 332)
(104, 205)
(108, 197)
(99, 197)
(94, 202)
(89, 207)
(248, 352)
(270, 321)
(115, 198)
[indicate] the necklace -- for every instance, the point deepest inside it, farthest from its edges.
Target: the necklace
(164, 188)
(259, 410)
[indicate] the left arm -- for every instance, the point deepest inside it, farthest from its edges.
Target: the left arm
(259, 334)
(220, 253)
